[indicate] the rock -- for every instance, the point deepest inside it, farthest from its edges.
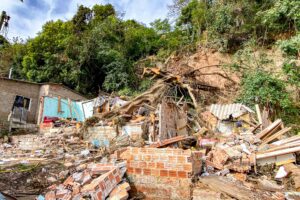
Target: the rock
(85, 152)
(5, 139)
(63, 174)
(269, 185)
(233, 153)
(51, 179)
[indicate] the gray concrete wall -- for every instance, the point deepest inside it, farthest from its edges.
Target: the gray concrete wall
(8, 91)
(63, 92)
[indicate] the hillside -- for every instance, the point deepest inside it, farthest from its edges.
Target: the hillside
(248, 49)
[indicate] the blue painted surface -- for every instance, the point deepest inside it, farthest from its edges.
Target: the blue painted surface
(51, 106)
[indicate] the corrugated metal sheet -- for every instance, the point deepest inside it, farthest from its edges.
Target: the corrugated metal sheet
(224, 111)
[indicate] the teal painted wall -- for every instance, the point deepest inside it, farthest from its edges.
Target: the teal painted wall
(51, 106)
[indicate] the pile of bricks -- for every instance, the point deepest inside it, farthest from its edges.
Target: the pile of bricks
(92, 181)
(28, 142)
(161, 173)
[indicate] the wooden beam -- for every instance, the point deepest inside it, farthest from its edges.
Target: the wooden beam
(169, 141)
(269, 129)
(289, 145)
(275, 136)
(277, 153)
(287, 140)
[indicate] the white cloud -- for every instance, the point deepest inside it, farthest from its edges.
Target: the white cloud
(27, 18)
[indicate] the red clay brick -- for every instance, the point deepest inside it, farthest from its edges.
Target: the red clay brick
(169, 151)
(99, 195)
(134, 164)
(181, 159)
(187, 152)
(111, 177)
(147, 157)
(163, 158)
(172, 159)
(182, 174)
(155, 172)
(69, 180)
(50, 195)
(130, 170)
(164, 173)
(172, 173)
(151, 165)
(155, 158)
(187, 167)
(138, 171)
(135, 151)
(160, 165)
(118, 178)
(142, 164)
(142, 150)
(147, 171)
(151, 151)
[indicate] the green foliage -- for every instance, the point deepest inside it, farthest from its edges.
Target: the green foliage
(291, 47)
(102, 12)
(3, 41)
(281, 16)
(139, 41)
(97, 50)
(292, 70)
(161, 26)
(81, 19)
(260, 87)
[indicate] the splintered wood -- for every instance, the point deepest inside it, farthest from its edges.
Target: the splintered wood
(237, 190)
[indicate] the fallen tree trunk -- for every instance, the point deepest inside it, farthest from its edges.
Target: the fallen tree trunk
(151, 97)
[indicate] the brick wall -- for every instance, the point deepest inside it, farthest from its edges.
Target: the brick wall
(161, 173)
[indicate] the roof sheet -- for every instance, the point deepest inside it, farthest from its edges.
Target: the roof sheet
(224, 111)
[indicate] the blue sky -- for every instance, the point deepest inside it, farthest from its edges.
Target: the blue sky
(27, 18)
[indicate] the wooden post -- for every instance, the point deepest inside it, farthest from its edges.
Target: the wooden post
(258, 113)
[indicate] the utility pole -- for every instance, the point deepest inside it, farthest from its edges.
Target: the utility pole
(4, 22)
(4, 19)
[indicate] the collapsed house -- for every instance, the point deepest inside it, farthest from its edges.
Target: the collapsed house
(159, 145)
(25, 104)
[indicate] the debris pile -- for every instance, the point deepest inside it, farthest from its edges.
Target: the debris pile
(92, 181)
(160, 145)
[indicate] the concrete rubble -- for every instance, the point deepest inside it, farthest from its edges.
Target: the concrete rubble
(155, 147)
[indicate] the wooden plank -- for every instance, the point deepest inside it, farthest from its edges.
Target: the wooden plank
(289, 145)
(277, 153)
(269, 129)
(287, 140)
(258, 113)
(265, 119)
(236, 189)
(159, 123)
(169, 141)
(275, 136)
(274, 130)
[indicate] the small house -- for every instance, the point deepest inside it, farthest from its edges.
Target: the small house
(24, 104)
